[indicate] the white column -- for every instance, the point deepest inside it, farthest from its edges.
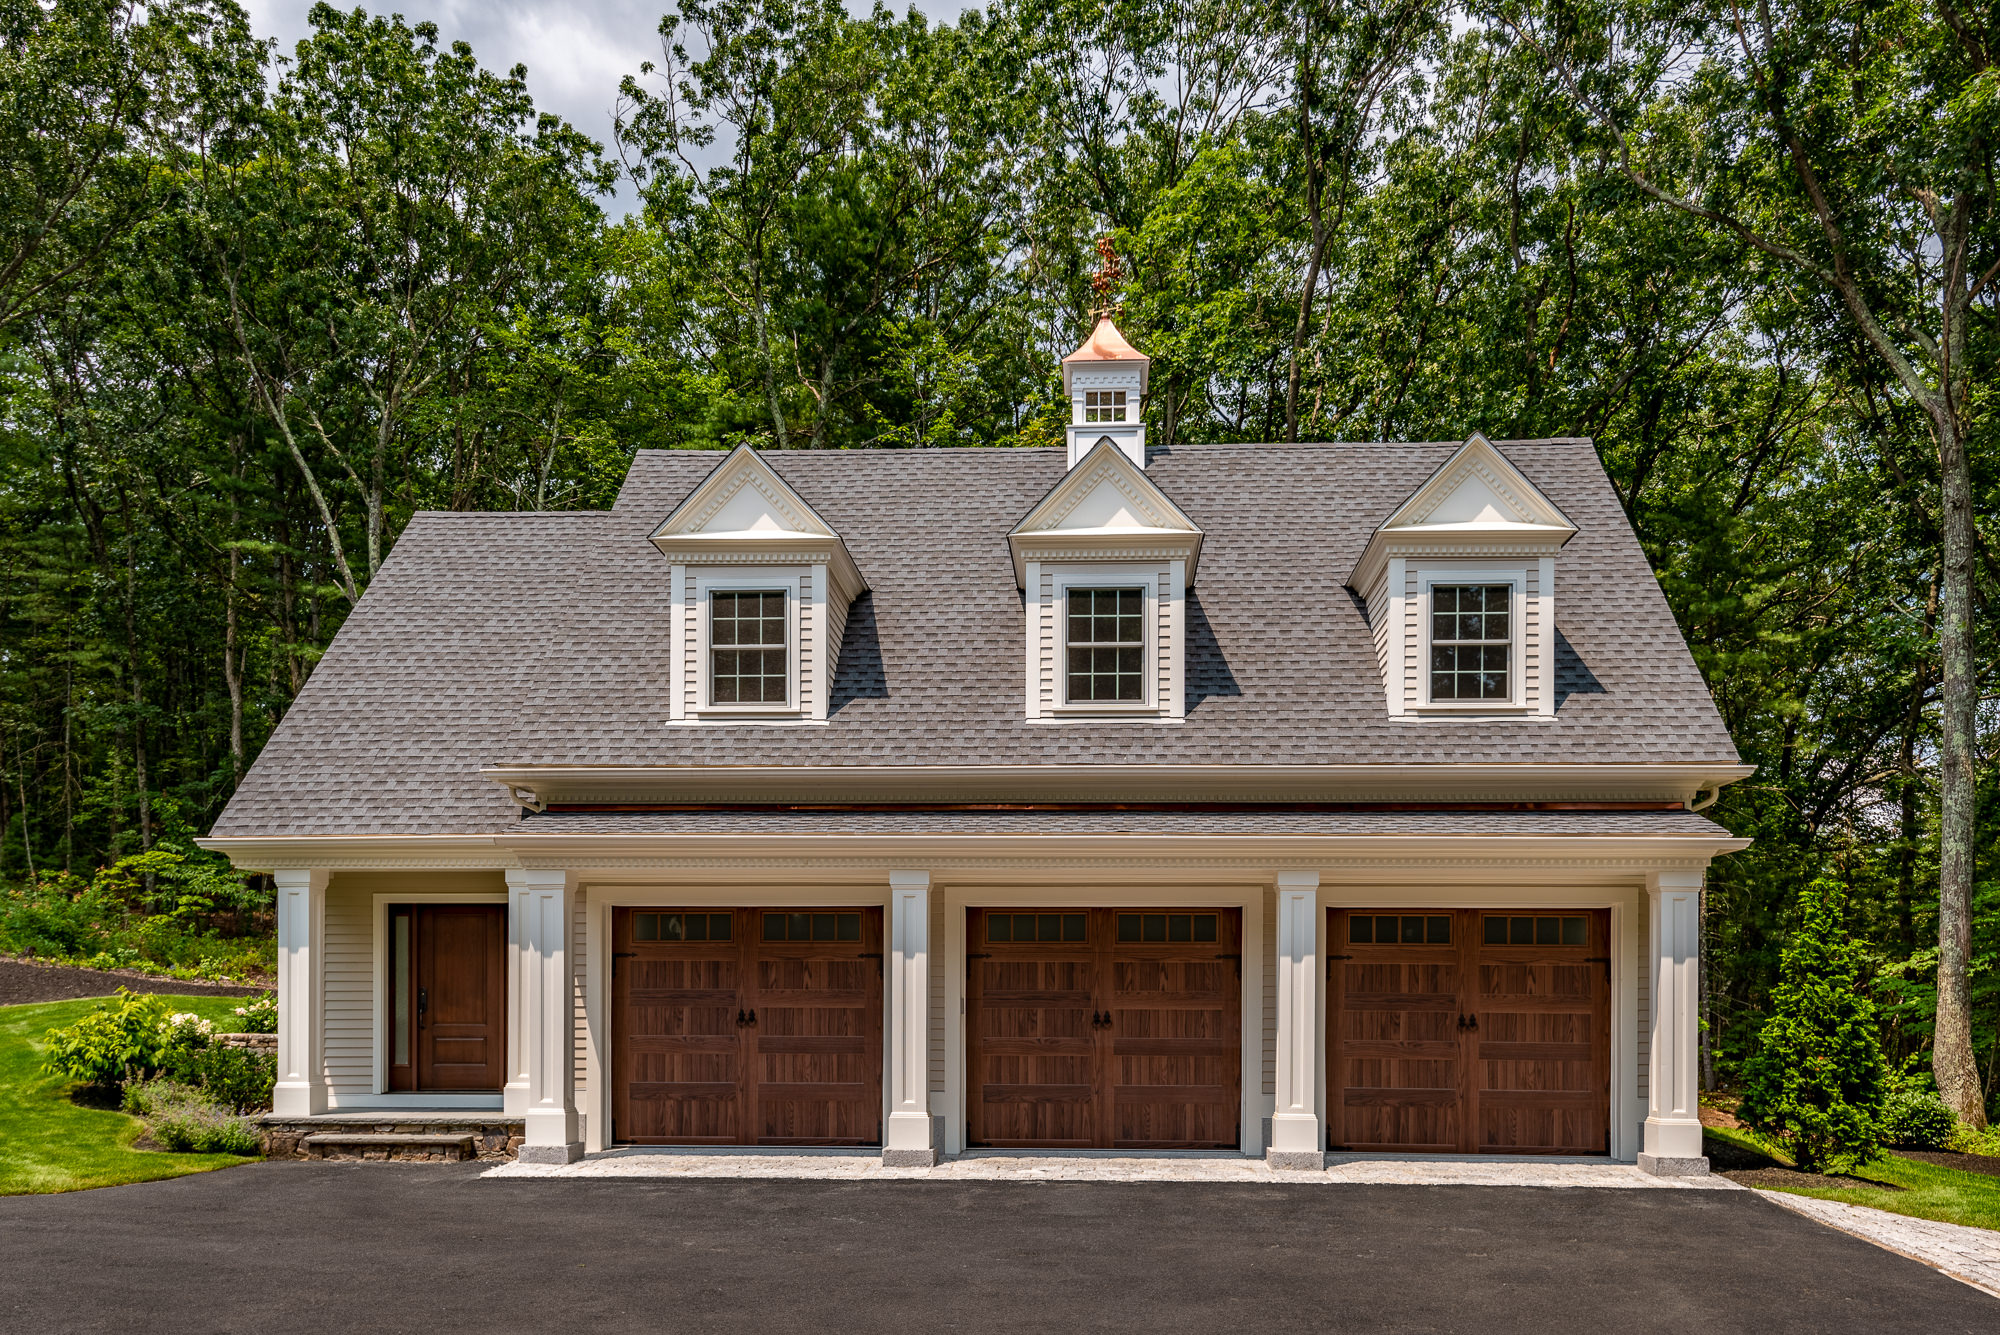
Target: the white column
(514, 1094)
(1297, 1140)
(1673, 1116)
(907, 1141)
(542, 899)
(301, 1087)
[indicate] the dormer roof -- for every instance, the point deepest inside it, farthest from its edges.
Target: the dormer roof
(744, 509)
(1478, 501)
(1104, 508)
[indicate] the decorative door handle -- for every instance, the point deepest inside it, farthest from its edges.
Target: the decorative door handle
(753, 1016)
(740, 1021)
(423, 1006)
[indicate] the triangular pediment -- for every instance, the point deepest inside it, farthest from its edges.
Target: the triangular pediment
(1478, 488)
(743, 497)
(1105, 491)
(1105, 508)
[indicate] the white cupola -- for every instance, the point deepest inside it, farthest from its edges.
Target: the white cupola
(1105, 380)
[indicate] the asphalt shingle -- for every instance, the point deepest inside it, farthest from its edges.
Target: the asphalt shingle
(543, 639)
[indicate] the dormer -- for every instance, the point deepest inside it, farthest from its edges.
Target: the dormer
(761, 589)
(1459, 584)
(1105, 381)
(1105, 561)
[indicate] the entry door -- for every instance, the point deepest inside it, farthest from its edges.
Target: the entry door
(448, 997)
(1462, 1031)
(747, 1027)
(1105, 1028)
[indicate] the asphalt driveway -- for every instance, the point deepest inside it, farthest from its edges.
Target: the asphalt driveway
(404, 1247)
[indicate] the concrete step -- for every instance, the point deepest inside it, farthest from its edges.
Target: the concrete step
(434, 1148)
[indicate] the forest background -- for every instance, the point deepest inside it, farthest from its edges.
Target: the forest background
(257, 307)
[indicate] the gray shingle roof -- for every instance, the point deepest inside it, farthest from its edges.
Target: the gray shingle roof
(542, 638)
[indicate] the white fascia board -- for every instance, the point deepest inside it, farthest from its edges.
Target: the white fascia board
(602, 851)
(697, 549)
(1083, 545)
(1276, 784)
(1453, 542)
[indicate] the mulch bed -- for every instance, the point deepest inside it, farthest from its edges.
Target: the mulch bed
(25, 982)
(1965, 1163)
(1771, 1178)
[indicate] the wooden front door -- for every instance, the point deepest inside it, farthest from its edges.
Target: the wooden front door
(1464, 1031)
(747, 1027)
(448, 997)
(1105, 1028)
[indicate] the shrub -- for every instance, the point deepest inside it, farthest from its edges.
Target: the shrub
(1816, 1083)
(259, 1017)
(123, 1038)
(1918, 1119)
(236, 1078)
(187, 1121)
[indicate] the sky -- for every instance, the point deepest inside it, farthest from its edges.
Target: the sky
(575, 52)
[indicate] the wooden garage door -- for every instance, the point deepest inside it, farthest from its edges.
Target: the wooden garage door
(1465, 1031)
(1104, 1028)
(747, 1027)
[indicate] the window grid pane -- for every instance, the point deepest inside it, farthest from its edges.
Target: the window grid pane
(1471, 639)
(1104, 405)
(746, 636)
(1107, 645)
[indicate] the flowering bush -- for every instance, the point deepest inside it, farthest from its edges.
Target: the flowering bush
(260, 1016)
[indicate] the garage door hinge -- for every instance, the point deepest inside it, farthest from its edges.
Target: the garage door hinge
(1329, 963)
(1239, 962)
(972, 955)
(1605, 960)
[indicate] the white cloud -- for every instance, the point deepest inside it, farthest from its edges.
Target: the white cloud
(575, 53)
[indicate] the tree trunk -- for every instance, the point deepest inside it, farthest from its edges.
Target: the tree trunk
(1952, 1056)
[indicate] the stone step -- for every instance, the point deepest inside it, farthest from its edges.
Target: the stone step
(408, 1146)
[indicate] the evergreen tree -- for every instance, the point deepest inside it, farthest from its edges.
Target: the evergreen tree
(1817, 1082)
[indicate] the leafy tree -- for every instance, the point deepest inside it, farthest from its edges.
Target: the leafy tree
(1818, 1081)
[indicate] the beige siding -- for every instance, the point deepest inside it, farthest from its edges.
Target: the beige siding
(938, 1028)
(1046, 641)
(1268, 1053)
(1413, 640)
(350, 988)
(578, 960)
(1642, 964)
(1378, 606)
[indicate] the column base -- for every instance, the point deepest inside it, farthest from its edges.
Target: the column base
(550, 1154)
(1309, 1161)
(909, 1158)
(913, 1140)
(1666, 1165)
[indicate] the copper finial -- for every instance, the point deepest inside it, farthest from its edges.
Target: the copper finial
(1109, 278)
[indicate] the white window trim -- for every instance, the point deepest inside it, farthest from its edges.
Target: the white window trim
(1516, 578)
(793, 583)
(1112, 577)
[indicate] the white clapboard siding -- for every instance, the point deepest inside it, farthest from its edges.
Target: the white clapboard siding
(350, 989)
(1642, 964)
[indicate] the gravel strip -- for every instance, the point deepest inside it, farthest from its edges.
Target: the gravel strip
(866, 1165)
(1969, 1255)
(26, 982)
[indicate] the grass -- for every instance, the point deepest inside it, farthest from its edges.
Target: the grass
(1929, 1191)
(48, 1143)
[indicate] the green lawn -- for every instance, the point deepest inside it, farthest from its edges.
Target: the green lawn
(48, 1143)
(1929, 1192)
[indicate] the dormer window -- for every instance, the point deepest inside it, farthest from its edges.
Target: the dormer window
(1459, 584)
(746, 648)
(1470, 641)
(1106, 646)
(1104, 405)
(761, 588)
